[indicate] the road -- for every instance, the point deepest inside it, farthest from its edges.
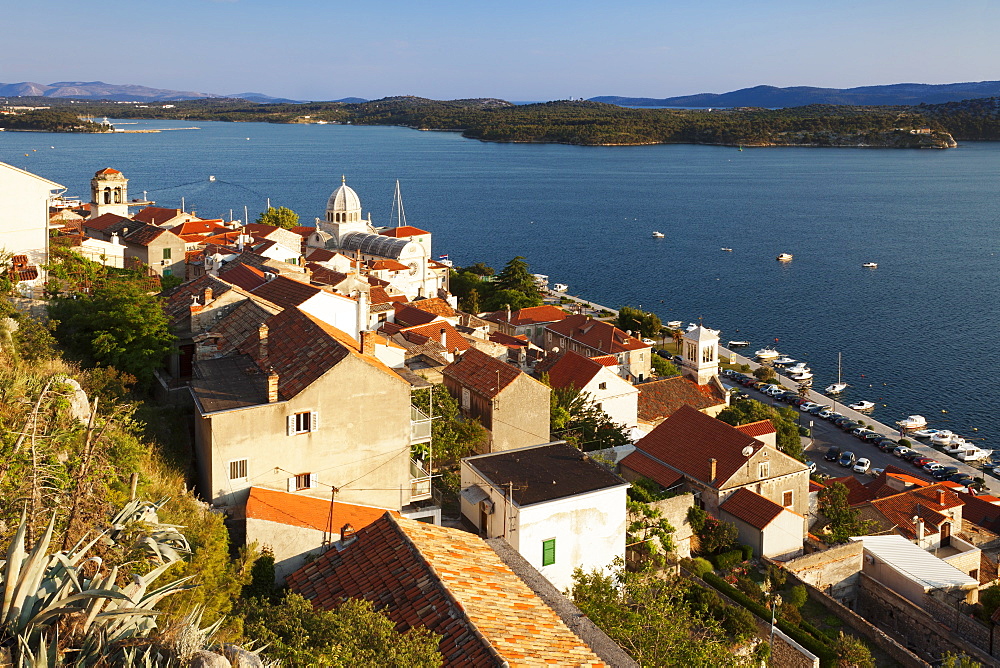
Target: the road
(826, 435)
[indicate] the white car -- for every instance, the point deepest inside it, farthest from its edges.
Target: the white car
(807, 406)
(649, 342)
(862, 466)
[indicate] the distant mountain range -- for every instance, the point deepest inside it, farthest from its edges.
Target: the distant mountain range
(798, 96)
(98, 90)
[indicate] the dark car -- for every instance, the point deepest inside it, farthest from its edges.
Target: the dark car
(847, 459)
(850, 425)
(815, 410)
(886, 444)
(666, 355)
(872, 436)
(961, 478)
(911, 455)
(840, 419)
(945, 473)
(833, 454)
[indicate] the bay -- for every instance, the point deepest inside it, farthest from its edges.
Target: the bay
(916, 333)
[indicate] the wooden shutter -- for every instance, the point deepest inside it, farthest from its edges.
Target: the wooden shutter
(291, 484)
(290, 425)
(313, 420)
(548, 552)
(313, 482)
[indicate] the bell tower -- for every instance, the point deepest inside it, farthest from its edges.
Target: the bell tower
(701, 355)
(108, 193)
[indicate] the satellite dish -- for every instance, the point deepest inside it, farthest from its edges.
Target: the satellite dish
(747, 451)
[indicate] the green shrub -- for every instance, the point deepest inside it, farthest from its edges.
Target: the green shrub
(727, 560)
(797, 596)
(700, 566)
(738, 623)
(905, 441)
(750, 588)
(747, 552)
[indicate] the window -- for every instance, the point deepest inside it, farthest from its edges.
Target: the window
(708, 354)
(602, 386)
(301, 481)
(786, 499)
(166, 253)
(548, 552)
(168, 272)
(303, 423)
(763, 471)
(238, 469)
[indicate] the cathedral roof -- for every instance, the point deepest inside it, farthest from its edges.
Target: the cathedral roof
(344, 199)
(374, 244)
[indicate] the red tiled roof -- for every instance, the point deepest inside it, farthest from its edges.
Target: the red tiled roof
(857, 493)
(320, 254)
(156, 214)
(198, 228)
(815, 486)
(247, 277)
(482, 374)
(104, 221)
(758, 428)
(435, 305)
(303, 230)
(108, 170)
(432, 331)
(573, 370)
(453, 583)
(508, 340)
(751, 508)
(309, 512)
(144, 235)
(663, 397)
(981, 512)
(286, 292)
(926, 503)
(386, 265)
(404, 231)
(533, 315)
(408, 315)
(665, 476)
(596, 334)
(378, 295)
(686, 441)
(177, 301)
(606, 360)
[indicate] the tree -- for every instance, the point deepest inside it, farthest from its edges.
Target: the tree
(649, 533)
(714, 535)
(950, 660)
(516, 276)
(677, 335)
(282, 217)
(640, 323)
(845, 521)
(764, 374)
(852, 652)
(452, 435)
(119, 325)
(648, 615)
(664, 368)
(355, 634)
(574, 417)
(783, 419)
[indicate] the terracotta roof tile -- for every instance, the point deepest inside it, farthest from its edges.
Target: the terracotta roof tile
(199, 228)
(533, 315)
(104, 221)
(303, 230)
(752, 508)
(606, 360)
(403, 231)
(508, 340)
(108, 170)
(596, 334)
(177, 301)
(432, 331)
(451, 582)
(758, 428)
(387, 264)
(686, 441)
(409, 315)
(286, 291)
(926, 503)
(857, 492)
(485, 375)
(573, 369)
(155, 215)
(434, 305)
(309, 512)
(247, 277)
(144, 235)
(981, 512)
(662, 398)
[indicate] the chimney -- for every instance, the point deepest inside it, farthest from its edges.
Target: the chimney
(367, 343)
(346, 531)
(711, 465)
(919, 524)
(272, 387)
(207, 296)
(444, 338)
(262, 342)
(508, 314)
(195, 314)
(940, 497)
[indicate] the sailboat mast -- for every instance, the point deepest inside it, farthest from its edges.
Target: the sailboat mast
(397, 207)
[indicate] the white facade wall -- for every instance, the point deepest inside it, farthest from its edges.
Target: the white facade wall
(782, 538)
(291, 545)
(24, 225)
(336, 310)
(105, 252)
(282, 253)
(619, 398)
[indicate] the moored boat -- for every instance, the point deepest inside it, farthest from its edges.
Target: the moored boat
(560, 287)
(784, 359)
(862, 406)
(784, 257)
(675, 324)
(767, 354)
(912, 423)
(839, 386)
(738, 344)
(870, 265)
(658, 235)
(800, 376)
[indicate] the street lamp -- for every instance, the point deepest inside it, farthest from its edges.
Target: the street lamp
(775, 602)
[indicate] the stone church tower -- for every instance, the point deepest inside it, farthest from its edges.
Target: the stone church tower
(343, 214)
(108, 193)
(701, 355)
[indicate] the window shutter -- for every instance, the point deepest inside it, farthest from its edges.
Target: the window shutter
(313, 482)
(291, 484)
(549, 552)
(314, 421)
(290, 425)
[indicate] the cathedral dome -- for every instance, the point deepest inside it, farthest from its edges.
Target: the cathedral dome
(344, 199)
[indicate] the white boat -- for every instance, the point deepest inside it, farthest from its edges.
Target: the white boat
(767, 354)
(912, 423)
(675, 324)
(839, 386)
(926, 433)
(870, 265)
(658, 235)
(735, 344)
(784, 359)
(862, 406)
(691, 327)
(728, 250)
(956, 446)
(942, 437)
(799, 367)
(800, 376)
(973, 453)
(560, 287)
(784, 257)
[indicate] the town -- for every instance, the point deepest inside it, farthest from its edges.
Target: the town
(521, 475)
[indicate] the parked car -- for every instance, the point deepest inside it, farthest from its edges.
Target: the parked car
(911, 455)
(961, 478)
(932, 466)
(649, 342)
(847, 459)
(875, 472)
(862, 465)
(812, 466)
(819, 408)
(921, 460)
(901, 450)
(860, 431)
(872, 436)
(833, 454)
(945, 472)
(886, 444)
(666, 355)
(850, 425)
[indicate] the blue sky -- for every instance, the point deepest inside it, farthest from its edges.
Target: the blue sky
(516, 50)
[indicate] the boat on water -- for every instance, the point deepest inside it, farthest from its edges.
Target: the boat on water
(767, 354)
(870, 265)
(560, 287)
(839, 386)
(926, 433)
(738, 344)
(944, 437)
(728, 250)
(658, 235)
(801, 376)
(784, 359)
(862, 406)
(973, 453)
(784, 257)
(912, 423)
(675, 324)
(691, 327)
(798, 367)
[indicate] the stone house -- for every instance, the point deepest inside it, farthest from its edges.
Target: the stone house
(772, 531)
(528, 322)
(715, 460)
(554, 504)
(512, 405)
(593, 338)
(159, 248)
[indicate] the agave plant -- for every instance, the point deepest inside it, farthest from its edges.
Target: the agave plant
(45, 595)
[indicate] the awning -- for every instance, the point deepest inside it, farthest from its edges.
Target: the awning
(474, 494)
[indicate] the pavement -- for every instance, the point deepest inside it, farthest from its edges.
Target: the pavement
(825, 435)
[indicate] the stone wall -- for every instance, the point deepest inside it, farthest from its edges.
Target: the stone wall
(675, 511)
(834, 571)
(927, 635)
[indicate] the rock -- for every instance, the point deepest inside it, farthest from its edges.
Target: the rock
(205, 659)
(79, 405)
(241, 658)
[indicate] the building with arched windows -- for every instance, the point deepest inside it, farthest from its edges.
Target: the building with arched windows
(108, 193)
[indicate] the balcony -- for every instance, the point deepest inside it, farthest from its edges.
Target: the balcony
(420, 426)
(420, 482)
